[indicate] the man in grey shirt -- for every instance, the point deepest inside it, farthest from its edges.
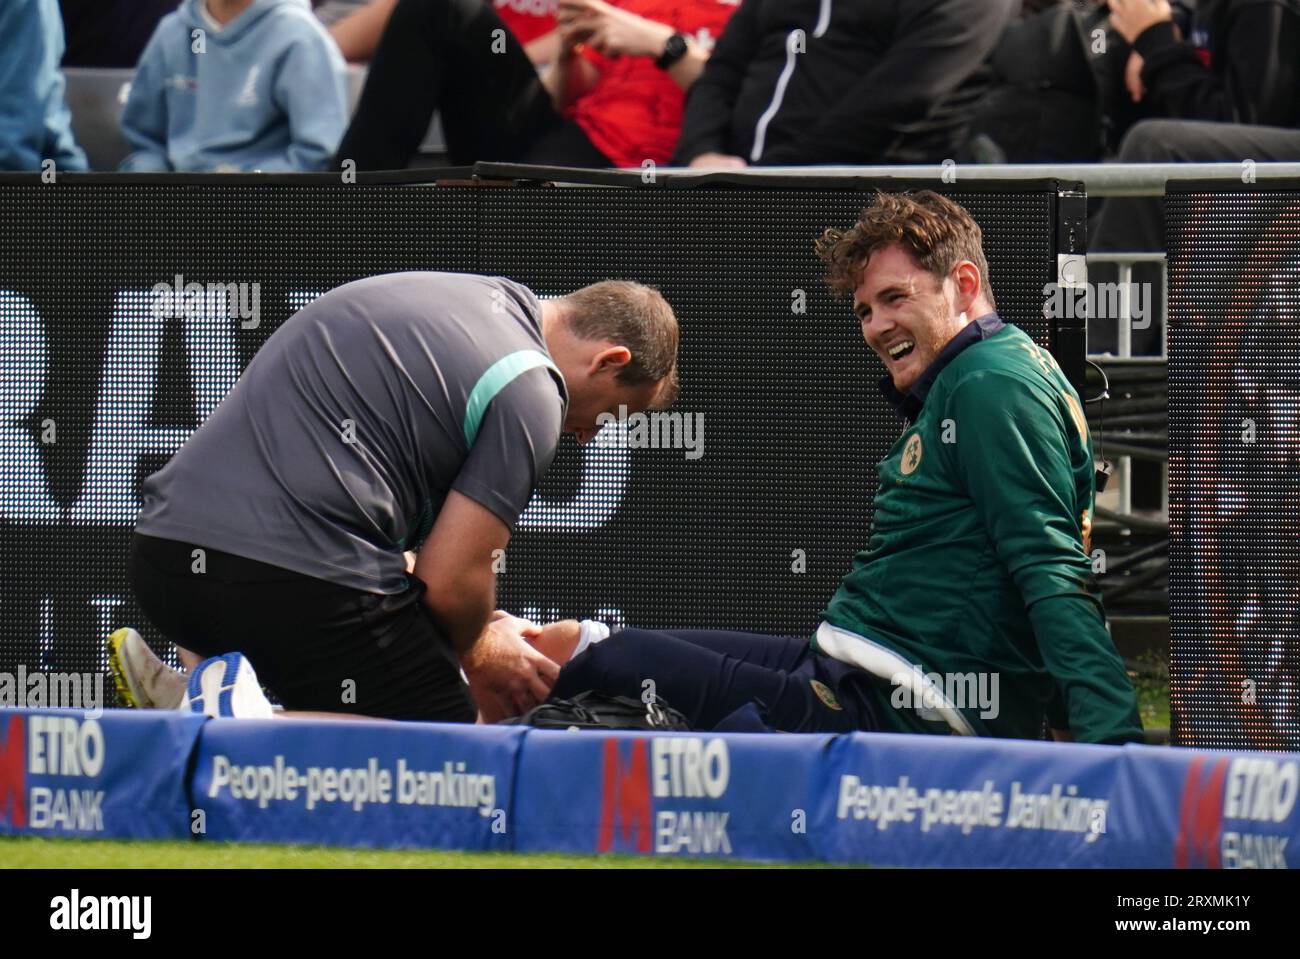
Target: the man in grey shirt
(412, 411)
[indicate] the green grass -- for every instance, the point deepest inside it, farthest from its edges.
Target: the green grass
(39, 853)
(1151, 682)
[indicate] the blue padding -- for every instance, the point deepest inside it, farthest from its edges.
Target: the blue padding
(867, 798)
(350, 783)
(117, 774)
(744, 796)
(950, 801)
(1032, 804)
(1199, 808)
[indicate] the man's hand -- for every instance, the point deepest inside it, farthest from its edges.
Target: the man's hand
(718, 161)
(1062, 736)
(1131, 18)
(610, 31)
(1133, 77)
(507, 676)
(508, 624)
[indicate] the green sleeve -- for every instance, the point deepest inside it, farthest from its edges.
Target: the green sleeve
(1012, 453)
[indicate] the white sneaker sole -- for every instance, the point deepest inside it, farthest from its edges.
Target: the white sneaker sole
(226, 687)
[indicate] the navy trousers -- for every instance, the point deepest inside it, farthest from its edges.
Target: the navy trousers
(727, 680)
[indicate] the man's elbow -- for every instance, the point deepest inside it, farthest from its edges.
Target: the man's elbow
(461, 605)
(457, 597)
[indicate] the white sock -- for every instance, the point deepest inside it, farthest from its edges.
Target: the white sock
(589, 633)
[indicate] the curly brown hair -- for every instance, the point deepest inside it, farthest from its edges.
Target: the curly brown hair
(937, 232)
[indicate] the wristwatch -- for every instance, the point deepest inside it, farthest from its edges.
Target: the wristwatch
(674, 50)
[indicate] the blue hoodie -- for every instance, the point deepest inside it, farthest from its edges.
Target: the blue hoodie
(35, 124)
(266, 93)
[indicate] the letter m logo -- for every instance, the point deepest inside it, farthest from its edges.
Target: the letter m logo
(1200, 817)
(13, 774)
(625, 800)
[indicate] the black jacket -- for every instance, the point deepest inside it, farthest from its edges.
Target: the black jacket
(843, 81)
(1254, 71)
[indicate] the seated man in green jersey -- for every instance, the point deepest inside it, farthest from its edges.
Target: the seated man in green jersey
(972, 610)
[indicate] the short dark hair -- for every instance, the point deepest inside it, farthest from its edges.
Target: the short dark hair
(635, 316)
(937, 232)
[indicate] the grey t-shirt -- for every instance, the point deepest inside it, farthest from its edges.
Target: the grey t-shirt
(336, 449)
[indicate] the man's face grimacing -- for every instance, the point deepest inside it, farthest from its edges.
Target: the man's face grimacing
(908, 314)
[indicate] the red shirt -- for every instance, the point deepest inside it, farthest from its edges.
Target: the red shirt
(634, 113)
(527, 19)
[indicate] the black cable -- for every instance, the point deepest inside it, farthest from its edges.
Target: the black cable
(1105, 384)
(1103, 472)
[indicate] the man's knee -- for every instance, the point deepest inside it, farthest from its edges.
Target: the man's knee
(1151, 141)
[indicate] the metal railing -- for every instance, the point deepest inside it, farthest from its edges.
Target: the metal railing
(1100, 179)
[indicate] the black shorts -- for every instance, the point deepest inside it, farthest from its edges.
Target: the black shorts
(315, 645)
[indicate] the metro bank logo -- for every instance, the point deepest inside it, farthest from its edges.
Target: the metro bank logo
(13, 775)
(1255, 795)
(1200, 816)
(44, 747)
(663, 767)
(625, 797)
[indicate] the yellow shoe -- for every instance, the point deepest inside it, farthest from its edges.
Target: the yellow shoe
(143, 680)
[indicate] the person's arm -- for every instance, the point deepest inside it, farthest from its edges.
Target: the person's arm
(570, 76)
(357, 34)
(456, 565)
(706, 124)
(544, 49)
(513, 447)
(690, 67)
(613, 32)
(1013, 455)
(1259, 84)
(144, 119)
(937, 45)
(311, 91)
(29, 84)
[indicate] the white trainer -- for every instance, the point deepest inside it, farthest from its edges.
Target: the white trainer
(226, 686)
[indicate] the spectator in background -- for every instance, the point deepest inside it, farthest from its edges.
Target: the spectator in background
(806, 81)
(259, 88)
(1241, 64)
(358, 32)
(110, 33)
(533, 23)
(34, 121)
(1044, 105)
(1230, 92)
(612, 97)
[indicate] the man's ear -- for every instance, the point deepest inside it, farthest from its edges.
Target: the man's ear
(611, 359)
(966, 279)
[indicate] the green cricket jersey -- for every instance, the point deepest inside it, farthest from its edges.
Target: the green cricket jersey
(978, 563)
